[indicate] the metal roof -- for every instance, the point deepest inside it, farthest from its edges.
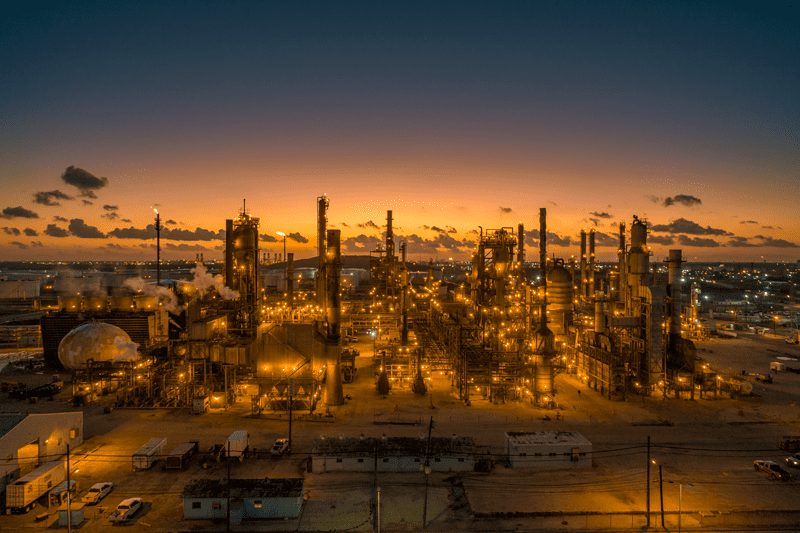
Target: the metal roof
(244, 488)
(394, 446)
(9, 421)
(523, 438)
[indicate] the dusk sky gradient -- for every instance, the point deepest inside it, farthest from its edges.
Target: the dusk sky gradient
(453, 115)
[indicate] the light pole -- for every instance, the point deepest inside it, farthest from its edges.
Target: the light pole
(775, 318)
(285, 261)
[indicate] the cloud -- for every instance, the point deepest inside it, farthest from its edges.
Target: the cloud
(437, 229)
(770, 227)
(11, 231)
(698, 242)
(199, 234)
(604, 239)
(18, 212)
(505, 210)
(297, 238)
(748, 222)
(682, 225)
(661, 239)
(655, 199)
(361, 243)
(172, 222)
(600, 215)
(60, 219)
(87, 202)
(451, 229)
(185, 247)
(30, 232)
(126, 220)
(49, 198)
(112, 246)
(776, 243)
(110, 207)
(741, 242)
(19, 245)
(594, 221)
(344, 224)
(368, 224)
(438, 244)
(37, 244)
(683, 199)
(54, 231)
(532, 236)
(268, 238)
(134, 233)
(110, 216)
(84, 181)
(81, 230)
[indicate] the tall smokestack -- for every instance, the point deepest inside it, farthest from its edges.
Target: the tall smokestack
(229, 254)
(158, 249)
(322, 224)
(333, 382)
(404, 297)
(545, 350)
(623, 277)
(590, 292)
(521, 253)
(290, 279)
(584, 283)
(674, 293)
(543, 266)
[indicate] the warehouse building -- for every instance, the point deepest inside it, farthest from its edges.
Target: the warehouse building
(548, 449)
(251, 499)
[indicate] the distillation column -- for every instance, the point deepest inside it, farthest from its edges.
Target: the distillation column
(638, 259)
(583, 283)
(334, 395)
(590, 291)
(545, 350)
(674, 294)
(322, 222)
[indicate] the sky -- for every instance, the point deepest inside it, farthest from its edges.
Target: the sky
(457, 116)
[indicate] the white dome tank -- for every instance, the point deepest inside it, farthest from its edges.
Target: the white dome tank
(97, 341)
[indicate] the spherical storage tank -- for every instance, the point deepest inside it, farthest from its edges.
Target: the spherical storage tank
(97, 341)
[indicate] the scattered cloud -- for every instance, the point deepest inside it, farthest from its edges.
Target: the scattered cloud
(87, 202)
(18, 212)
(344, 224)
(776, 243)
(661, 239)
(297, 238)
(126, 220)
(84, 181)
(748, 222)
(199, 234)
(134, 233)
(437, 229)
(268, 238)
(451, 229)
(698, 242)
(171, 222)
(11, 231)
(600, 215)
(368, 224)
(37, 244)
(54, 231)
(741, 242)
(532, 236)
(682, 225)
(683, 199)
(79, 229)
(185, 247)
(60, 219)
(110, 216)
(505, 210)
(655, 199)
(19, 245)
(604, 239)
(49, 198)
(362, 243)
(111, 207)
(30, 232)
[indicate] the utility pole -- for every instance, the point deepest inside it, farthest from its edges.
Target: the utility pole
(648, 481)
(69, 496)
(427, 470)
(228, 485)
(291, 393)
(661, 493)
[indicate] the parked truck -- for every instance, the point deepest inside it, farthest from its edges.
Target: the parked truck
(149, 453)
(238, 445)
(179, 457)
(22, 494)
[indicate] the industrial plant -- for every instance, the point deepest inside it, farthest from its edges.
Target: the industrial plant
(265, 332)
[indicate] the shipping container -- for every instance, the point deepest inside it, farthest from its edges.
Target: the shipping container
(179, 457)
(22, 494)
(237, 445)
(149, 453)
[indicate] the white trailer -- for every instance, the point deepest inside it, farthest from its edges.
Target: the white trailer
(149, 453)
(22, 494)
(238, 445)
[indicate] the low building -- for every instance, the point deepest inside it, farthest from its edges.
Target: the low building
(393, 454)
(251, 499)
(27, 441)
(548, 449)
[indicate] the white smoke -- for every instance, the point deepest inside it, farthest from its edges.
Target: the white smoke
(203, 281)
(165, 296)
(128, 350)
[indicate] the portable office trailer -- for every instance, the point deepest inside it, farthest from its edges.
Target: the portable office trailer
(149, 453)
(21, 495)
(237, 444)
(179, 457)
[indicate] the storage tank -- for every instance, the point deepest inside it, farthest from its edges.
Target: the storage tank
(122, 303)
(97, 303)
(559, 300)
(70, 303)
(97, 341)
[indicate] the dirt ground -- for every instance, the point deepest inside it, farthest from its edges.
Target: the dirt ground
(705, 448)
